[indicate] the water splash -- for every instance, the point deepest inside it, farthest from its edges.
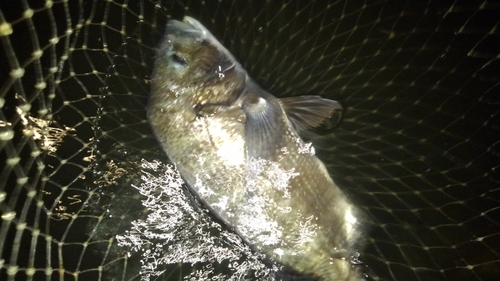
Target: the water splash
(177, 230)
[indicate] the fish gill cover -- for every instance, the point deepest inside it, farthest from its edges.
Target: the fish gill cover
(87, 194)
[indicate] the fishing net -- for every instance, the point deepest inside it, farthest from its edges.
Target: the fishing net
(86, 192)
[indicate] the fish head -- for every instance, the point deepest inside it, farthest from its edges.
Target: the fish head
(192, 64)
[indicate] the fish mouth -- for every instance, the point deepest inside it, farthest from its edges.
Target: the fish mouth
(188, 26)
(196, 25)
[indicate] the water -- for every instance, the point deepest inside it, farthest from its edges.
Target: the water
(417, 148)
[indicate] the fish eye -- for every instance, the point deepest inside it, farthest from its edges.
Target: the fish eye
(179, 60)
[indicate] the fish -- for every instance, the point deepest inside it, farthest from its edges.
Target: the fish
(240, 151)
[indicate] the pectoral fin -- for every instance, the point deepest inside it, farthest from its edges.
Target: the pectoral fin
(306, 112)
(262, 121)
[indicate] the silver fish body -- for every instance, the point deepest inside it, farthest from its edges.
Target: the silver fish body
(238, 149)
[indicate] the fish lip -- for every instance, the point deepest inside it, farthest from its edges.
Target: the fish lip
(187, 27)
(197, 25)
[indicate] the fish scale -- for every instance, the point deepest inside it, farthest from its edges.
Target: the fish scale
(238, 149)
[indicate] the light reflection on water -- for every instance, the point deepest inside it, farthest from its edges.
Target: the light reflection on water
(176, 230)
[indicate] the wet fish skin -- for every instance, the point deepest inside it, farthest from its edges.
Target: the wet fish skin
(238, 149)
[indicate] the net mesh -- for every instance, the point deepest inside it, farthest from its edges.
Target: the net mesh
(417, 148)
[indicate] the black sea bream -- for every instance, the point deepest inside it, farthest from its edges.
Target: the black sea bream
(238, 149)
